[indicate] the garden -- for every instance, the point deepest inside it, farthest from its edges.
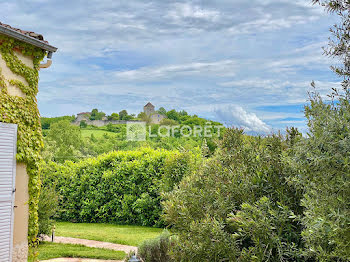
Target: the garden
(281, 197)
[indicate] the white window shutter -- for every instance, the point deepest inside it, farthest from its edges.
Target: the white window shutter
(8, 148)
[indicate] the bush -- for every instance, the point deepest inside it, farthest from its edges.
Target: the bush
(48, 205)
(83, 124)
(119, 187)
(239, 206)
(322, 172)
(156, 250)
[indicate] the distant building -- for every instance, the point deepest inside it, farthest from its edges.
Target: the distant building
(148, 109)
(84, 116)
(155, 117)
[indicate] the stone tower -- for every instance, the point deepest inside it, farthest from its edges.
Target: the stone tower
(148, 109)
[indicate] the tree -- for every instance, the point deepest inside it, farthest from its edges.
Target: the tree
(123, 114)
(339, 46)
(321, 162)
(67, 139)
(144, 117)
(47, 121)
(172, 114)
(183, 113)
(96, 115)
(162, 111)
(113, 116)
(238, 206)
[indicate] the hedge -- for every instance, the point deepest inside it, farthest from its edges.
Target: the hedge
(118, 187)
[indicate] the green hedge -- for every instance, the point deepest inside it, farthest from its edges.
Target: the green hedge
(118, 187)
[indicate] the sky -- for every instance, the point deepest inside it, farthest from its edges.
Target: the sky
(244, 63)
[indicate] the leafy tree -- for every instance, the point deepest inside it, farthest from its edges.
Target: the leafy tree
(96, 115)
(172, 114)
(321, 163)
(113, 116)
(67, 140)
(47, 121)
(162, 111)
(144, 117)
(339, 45)
(123, 114)
(238, 206)
(183, 113)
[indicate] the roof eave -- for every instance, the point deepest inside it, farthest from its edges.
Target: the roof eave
(27, 39)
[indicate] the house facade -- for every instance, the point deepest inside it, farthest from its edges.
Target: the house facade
(21, 50)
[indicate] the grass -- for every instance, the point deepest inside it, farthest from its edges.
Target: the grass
(97, 133)
(118, 234)
(49, 250)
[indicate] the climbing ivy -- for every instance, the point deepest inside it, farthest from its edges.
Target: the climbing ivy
(24, 112)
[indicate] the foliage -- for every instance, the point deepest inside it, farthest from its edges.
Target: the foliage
(156, 250)
(119, 234)
(47, 121)
(119, 187)
(247, 177)
(65, 140)
(48, 206)
(321, 161)
(265, 231)
(23, 111)
(123, 115)
(113, 116)
(144, 117)
(162, 111)
(172, 114)
(96, 115)
(49, 250)
(322, 172)
(339, 45)
(83, 124)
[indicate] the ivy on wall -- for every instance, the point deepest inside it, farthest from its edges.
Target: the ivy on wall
(24, 112)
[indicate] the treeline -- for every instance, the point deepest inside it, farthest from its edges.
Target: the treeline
(64, 141)
(173, 117)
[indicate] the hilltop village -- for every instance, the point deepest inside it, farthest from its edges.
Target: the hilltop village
(149, 114)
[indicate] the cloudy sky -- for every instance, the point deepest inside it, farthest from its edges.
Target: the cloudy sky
(244, 63)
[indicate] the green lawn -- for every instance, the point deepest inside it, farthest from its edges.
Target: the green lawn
(97, 133)
(126, 235)
(49, 250)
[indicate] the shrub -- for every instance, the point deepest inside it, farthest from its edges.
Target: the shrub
(118, 187)
(322, 172)
(265, 231)
(48, 205)
(83, 124)
(156, 250)
(247, 179)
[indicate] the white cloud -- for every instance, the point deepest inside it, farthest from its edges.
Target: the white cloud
(217, 68)
(236, 116)
(182, 11)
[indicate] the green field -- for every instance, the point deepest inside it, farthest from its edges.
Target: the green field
(49, 250)
(118, 234)
(97, 133)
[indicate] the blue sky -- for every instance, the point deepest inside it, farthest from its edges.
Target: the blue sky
(244, 63)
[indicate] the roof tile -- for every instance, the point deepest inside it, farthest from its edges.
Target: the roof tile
(27, 33)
